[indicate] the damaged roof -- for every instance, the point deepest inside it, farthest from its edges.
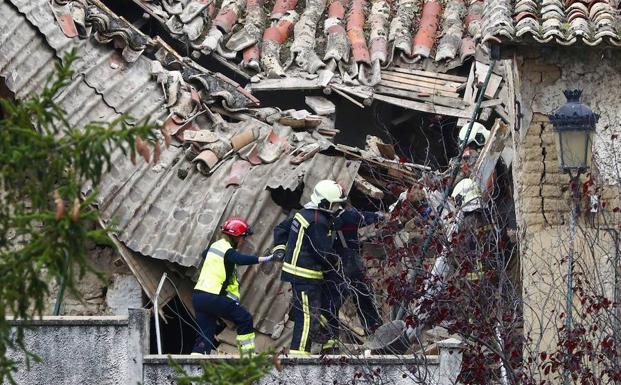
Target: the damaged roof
(353, 39)
(172, 210)
(552, 21)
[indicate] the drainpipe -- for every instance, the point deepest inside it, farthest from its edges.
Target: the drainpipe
(156, 313)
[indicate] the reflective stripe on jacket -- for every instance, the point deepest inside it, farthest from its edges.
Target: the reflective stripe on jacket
(308, 250)
(218, 277)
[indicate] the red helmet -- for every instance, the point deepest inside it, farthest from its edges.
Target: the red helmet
(237, 227)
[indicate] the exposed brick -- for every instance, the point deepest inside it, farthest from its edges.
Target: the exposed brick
(532, 153)
(539, 118)
(554, 178)
(531, 191)
(531, 204)
(556, 204)
(555, 218)
(533, 221)
(552, 165)
(551, 190)
(534, 139)
(531, 179)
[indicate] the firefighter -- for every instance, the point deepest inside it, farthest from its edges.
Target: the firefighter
(479, 135)
(474, 224)
(216, 294)
(350, 280)
(304, 245)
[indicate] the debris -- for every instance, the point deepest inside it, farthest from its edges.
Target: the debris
(205, 161)
(304, 153)
(238, 171)
(367, 188)
(299, 119)
(244, 138)
(320, 105)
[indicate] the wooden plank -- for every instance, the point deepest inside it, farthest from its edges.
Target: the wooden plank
(363, 93)
(408, 86)
(424, 107)
(430, 74)
(469, 94)
(407, 80)
(428, 86)
(230, 65)
(285, 84)
(436, 99)
(502, 113)
(343, 94)
(440, 82)
(491, 103)
(494, 81)
(486, 162)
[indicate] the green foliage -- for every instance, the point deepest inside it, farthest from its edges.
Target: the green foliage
(243, 371)
(44, 223)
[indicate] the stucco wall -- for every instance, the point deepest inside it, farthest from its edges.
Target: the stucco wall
(85, 350)
(543, 194)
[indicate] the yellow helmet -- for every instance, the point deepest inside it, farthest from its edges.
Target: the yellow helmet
(479, 134)
(327, 192)
(466, 191)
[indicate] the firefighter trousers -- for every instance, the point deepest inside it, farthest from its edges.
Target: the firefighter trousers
(305, 313)
(208, 308)
(336, 292)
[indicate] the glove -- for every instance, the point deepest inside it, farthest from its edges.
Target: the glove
(382, 216)
(266, 259)
(279, 255)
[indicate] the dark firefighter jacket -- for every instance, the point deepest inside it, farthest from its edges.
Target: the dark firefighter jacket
(347, 243)
(306, 239)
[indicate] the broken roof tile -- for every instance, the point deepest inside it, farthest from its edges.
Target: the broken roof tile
(375, 36)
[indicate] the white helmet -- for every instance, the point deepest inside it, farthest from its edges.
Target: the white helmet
(327, 192)
(465, 192)
(479, 134)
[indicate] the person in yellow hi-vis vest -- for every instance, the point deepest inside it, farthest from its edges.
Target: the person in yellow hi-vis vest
(216, 294)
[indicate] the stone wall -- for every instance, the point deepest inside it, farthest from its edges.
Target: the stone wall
(112, 293)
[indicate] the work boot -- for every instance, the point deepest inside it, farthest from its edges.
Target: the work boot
(331, 347)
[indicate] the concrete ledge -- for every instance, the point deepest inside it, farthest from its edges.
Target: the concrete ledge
(314, 370)
(71, 321)
(154, 359)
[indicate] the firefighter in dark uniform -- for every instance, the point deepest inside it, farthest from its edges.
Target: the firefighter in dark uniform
(350, 280)
(216, 294)
(304, 245)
